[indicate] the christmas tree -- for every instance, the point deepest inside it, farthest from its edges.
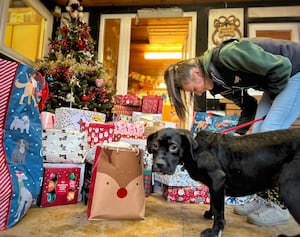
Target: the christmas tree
(75, 78)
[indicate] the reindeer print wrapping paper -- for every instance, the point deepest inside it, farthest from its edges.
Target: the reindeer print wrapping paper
(64, 146)
(21, 165)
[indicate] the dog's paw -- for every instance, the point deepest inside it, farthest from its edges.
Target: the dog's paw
(210, 233)
(208, 215)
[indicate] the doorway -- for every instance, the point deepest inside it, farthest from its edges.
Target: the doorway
(124, 40)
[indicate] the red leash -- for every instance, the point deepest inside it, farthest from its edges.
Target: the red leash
(242, 125)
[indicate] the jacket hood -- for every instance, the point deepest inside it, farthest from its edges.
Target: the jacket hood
(205, 60)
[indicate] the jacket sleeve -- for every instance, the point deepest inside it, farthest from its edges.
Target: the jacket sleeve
(248, 105)
(248, 57)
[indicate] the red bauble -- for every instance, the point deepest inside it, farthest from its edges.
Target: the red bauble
(84, 98)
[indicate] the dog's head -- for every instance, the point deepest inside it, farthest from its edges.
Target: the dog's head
(170, 147)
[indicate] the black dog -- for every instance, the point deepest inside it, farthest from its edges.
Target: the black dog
(232, 165)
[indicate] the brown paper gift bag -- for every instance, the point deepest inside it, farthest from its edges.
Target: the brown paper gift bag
(117, 185)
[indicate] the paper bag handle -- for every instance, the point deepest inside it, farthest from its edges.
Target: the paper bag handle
(122, 146)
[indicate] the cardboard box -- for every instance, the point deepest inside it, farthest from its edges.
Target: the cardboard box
(62, 184)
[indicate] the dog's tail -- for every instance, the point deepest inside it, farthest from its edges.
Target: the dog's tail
(19, 84)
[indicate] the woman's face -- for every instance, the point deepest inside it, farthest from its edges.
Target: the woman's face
(196, 83)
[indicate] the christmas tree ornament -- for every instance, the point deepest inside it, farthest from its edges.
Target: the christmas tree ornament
(74, 9)
(84, 98)
(99, 82)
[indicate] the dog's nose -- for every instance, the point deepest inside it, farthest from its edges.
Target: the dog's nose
(159, 165)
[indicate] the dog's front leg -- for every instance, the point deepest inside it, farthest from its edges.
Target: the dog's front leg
(217, 205)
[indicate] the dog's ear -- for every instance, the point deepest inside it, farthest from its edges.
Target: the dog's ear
(189, 142)
(150, 139)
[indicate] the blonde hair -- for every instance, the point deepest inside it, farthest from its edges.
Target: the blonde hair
(174, 76)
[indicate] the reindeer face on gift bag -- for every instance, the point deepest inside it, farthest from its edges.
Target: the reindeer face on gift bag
(118, 191)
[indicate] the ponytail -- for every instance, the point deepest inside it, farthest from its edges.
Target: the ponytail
(173, 76)
(174, 91)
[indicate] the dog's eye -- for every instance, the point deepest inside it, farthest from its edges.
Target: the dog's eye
(155, 145)
(173, 147)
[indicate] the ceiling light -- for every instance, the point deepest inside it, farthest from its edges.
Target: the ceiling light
(163, 55)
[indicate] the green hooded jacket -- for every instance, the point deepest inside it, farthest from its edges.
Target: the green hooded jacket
(260, 63)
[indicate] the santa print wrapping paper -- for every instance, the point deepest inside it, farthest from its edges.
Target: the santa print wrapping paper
(21, 164)
(127, 100)
(117, 184)
(60, 186)
(152, 104)
(98, 133)
(199, 194)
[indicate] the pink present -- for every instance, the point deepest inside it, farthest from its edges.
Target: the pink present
(129, 129)
(197, 194)
(152, 104)
(98, 132)
(47, 119)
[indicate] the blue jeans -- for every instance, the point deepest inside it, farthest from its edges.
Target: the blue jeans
(280, 114)
(284, 110)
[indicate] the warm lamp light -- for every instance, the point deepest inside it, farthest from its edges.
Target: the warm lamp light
(162, 55)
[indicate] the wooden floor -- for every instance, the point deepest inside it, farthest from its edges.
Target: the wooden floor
(162, 219)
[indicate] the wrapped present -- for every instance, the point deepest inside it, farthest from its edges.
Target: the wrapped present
(127, 100)
(213, 122)
(152, 104)
(125, 110)
(232, 201)
(47, 119)
(62, 184)
(129, 129)
(147, 117)
(147, 159)
(122, 117)
(70, 119)
(98, 132)
(64, 146)
(199, 194)
(179, 178)
(147, 182)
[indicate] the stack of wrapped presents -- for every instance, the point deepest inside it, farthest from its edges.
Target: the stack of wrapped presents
(180, 187)
(76, 134)
(65, 147)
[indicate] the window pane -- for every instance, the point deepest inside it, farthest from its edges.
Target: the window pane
(111, 48)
